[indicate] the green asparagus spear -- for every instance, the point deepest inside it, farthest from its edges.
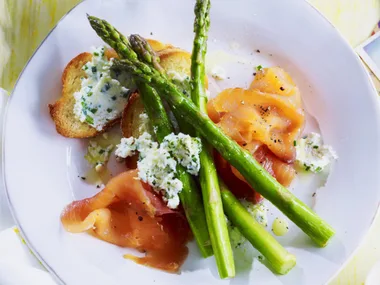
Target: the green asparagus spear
(279, 259)
(208, 176)
(190, 198)
(252, 171)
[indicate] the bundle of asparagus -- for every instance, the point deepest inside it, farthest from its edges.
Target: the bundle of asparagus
(207, 219)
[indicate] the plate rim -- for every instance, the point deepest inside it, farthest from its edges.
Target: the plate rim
(52, 272)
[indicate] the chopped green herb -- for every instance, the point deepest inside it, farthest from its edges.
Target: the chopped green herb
(94, 69)
(89, 94)
(295, 143)
(109, 110)
(113, 98)
(307, 168)
(89, 120)
(315, 146)
(101, 151)
(96, 54)
(94, 110)
(319, 169)
(106, 87)
(259, 67)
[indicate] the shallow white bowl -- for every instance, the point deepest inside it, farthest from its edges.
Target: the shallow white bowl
(41, 167)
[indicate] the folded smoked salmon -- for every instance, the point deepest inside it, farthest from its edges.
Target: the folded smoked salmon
(128, 213)
(265, 120)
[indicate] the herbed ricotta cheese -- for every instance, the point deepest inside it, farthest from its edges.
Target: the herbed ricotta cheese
(157, 164)
(185, 149)
(101, 98)
(312, 155)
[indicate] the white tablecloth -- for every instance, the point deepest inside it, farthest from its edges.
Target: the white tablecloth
(6, 220)
(18, 266)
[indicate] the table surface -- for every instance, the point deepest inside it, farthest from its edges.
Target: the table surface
(29, 21)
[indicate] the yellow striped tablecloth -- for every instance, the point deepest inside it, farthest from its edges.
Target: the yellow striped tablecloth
(28, 22)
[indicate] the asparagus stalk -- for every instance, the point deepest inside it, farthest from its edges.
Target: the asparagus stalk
(279, 259)
(208, 176)
(256, 176)
(189, 196)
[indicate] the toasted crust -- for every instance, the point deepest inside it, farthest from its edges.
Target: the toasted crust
(62, 111)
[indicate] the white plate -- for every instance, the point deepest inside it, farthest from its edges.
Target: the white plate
(41, 167)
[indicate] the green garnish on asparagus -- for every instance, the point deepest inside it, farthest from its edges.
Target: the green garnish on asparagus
(189, 196)
(208, 176)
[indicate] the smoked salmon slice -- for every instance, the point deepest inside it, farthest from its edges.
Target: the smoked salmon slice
(128, 213)
(269, 112)
(265, 120)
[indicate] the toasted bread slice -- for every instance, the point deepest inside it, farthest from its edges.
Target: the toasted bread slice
(175, 60)
(158, 46)
(62, 111)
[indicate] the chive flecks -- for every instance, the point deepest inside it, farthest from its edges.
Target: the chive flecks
(259, 67)
(89, 120)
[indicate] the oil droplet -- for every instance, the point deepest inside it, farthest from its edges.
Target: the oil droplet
(280, 227)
